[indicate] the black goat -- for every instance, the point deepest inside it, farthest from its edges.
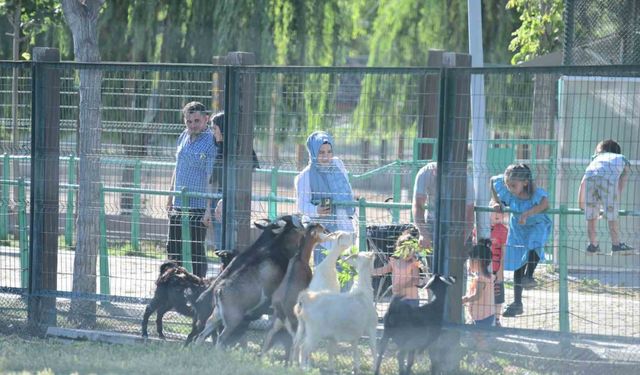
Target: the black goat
(242, 292)
(411, 328)
(171, 286)
(226, 256)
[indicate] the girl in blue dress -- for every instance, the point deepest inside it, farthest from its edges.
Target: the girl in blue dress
(529, 227)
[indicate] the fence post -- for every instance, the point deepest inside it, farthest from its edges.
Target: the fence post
(45, 184)
(564, 272)
(71, 180)
(23, 243)
(4, 205)
(240, 99)
(452, 177)
(362, 224)
(185, 216)
(273, 194)
(104, 250)
(428, 105)
(135, 210)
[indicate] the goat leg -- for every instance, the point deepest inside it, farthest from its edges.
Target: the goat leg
(331, 348)
(159, 315)
(410, 358)
(381, 348)
(194, 330)
(212, 325)
(356, 357)
(268, 340)
(151, 307)
(400, 356)
(297, 341)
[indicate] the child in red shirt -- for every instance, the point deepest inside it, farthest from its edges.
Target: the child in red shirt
(499, 232)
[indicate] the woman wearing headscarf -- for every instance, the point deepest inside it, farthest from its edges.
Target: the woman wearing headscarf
(322, 186)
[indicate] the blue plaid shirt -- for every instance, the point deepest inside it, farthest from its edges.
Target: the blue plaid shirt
(194, 164)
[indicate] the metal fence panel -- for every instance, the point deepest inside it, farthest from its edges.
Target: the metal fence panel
(386, 124)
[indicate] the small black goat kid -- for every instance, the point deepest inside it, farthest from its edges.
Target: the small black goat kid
(411, 328)
(171, 286)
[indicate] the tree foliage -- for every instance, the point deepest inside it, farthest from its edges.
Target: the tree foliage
(294, 32)
(40, 24)
(291, 32)
(540, 31)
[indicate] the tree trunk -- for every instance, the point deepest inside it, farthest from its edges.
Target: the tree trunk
(82, 20)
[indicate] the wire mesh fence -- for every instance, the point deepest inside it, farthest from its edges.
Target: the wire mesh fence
(386, 124)
(600, 33)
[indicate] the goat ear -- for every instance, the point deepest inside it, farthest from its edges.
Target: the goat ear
(305, 220)
(279, 228)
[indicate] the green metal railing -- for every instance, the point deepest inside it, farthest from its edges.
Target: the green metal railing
(23, 238)
(414, 164)
(562, 263)
(562, 212)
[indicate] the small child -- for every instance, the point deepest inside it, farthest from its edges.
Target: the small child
(404, 268)
(480, 300)
(499, 234)
(529, 227)
(602, 184)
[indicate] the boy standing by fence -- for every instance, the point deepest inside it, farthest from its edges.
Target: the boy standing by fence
(404, 268)
(602, 184)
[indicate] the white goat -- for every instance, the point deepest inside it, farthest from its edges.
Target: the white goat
(325, 276)
(339, 316)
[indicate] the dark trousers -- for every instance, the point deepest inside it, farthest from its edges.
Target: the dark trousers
(198, 233)
(526, 270)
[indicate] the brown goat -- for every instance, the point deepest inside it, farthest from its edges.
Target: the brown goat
(232, 261)
(243, 291)
(171, 285)
(296, 279)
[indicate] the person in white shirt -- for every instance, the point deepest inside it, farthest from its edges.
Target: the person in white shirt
(323, 187)
(601, 186)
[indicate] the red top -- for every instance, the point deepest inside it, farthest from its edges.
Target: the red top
(498, 240)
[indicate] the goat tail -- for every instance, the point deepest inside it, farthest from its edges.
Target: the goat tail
(303, 299)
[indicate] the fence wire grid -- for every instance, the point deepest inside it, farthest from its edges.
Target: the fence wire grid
(386, 125)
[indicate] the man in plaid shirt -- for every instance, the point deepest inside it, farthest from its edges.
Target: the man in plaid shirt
(195, 154)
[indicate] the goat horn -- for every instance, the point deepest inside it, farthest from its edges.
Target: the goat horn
(449, 280)
(262, 223)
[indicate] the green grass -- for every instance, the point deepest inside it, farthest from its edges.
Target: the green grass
(51, 356)
(38, 356)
